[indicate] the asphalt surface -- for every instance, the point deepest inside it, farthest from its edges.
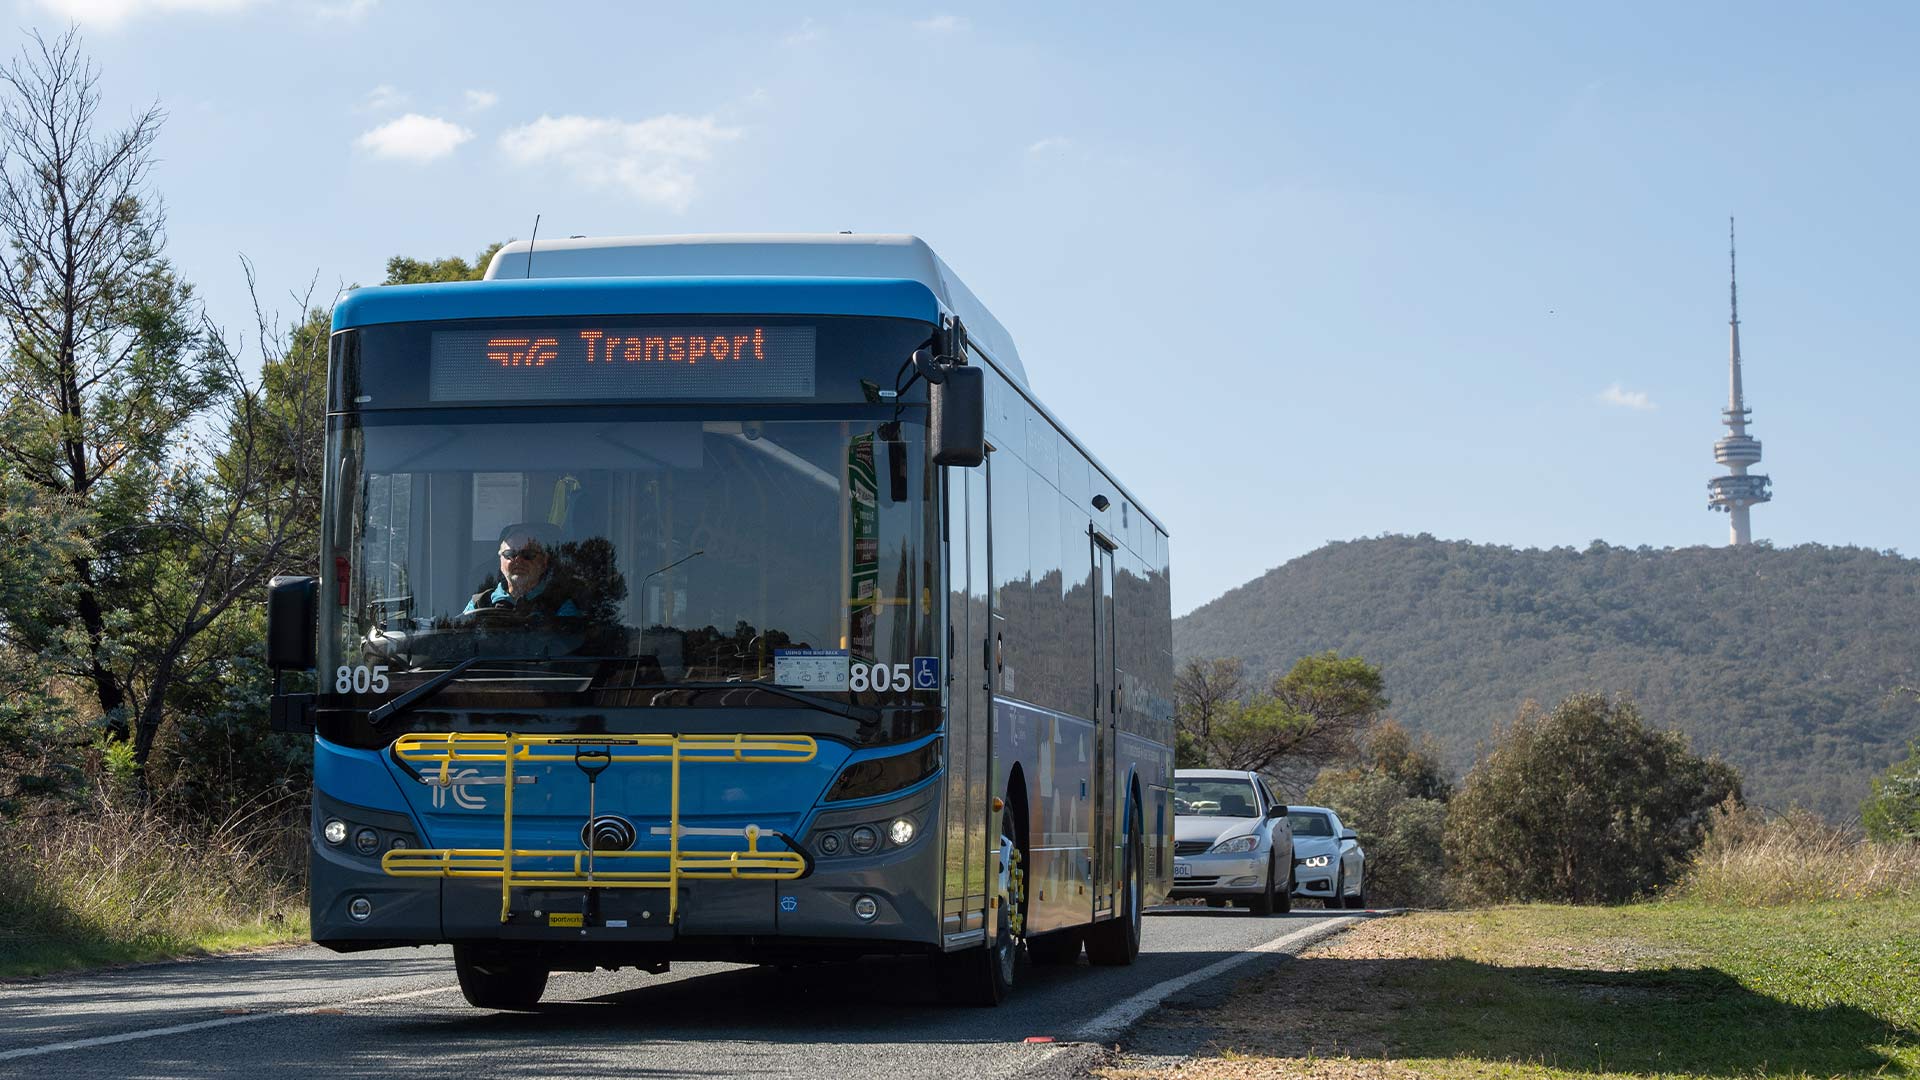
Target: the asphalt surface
(308, 1012)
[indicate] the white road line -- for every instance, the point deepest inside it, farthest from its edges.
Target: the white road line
(202, 1025)
(1108, 1025)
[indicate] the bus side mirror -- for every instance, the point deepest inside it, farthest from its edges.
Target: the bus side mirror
(293, 621)
(957, 420)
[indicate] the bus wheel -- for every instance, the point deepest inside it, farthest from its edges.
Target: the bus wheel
(1116, 942)
(984, 975)
(490, 981)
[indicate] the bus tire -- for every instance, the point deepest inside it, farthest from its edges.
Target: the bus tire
(984, 975)
(490, 981)
(1116, 942)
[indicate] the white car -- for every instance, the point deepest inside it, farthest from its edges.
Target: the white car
(1230, 842)
(1328, 863)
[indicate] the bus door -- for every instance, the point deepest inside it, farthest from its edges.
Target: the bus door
(1105, 826)
(963, 909)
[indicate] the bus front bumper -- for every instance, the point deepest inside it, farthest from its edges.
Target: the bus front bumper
(846, 904)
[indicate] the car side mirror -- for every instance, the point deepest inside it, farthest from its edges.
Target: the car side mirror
(293, 622)
(1349, 834)
(957, 418)
(1276, 811)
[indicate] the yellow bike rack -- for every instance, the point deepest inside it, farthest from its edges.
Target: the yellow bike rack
(511, 749)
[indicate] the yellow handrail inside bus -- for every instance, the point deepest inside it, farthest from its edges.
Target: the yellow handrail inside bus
(512, 748)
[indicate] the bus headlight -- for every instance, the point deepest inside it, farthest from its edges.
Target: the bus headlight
(863, 840)
(900, 832)
(366, 841)
(335, 831)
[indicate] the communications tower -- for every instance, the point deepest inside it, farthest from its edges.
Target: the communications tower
(1738, 492)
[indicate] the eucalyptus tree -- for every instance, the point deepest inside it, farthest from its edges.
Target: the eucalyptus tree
(124, 408)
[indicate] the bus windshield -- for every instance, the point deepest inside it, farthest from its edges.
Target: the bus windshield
(599, 558)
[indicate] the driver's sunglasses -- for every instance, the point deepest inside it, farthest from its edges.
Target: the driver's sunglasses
(529, 551)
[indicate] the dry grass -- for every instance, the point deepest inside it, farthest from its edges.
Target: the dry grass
(1796, 858)
(118, 881)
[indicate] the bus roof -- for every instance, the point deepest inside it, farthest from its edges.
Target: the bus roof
(788, 255)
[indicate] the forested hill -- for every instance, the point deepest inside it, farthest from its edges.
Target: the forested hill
(1784, 662)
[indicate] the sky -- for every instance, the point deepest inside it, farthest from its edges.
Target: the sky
(1295, 273)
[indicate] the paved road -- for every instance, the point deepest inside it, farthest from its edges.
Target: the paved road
(307, 1012)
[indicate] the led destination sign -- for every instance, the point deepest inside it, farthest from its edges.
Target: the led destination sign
(527, 364)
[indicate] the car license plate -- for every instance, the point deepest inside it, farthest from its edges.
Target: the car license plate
(1181, 868)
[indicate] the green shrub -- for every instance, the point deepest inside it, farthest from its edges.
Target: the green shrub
(1892, 813)
(1403, 835)
(1584, 804)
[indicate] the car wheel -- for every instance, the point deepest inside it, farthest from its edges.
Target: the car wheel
(1284, 902)
(1358, 901)
(1339, 897)
(1262, 905)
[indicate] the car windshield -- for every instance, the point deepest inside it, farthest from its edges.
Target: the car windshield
(586, 559)
(1308, 824)
(1215, 798)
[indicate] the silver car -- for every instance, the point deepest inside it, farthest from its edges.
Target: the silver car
(1328, 863)
(1230, 841)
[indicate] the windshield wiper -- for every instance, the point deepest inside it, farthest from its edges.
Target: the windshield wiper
(380, 714)
(852, 712)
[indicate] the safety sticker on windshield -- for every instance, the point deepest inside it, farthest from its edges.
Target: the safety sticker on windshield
(811, 669)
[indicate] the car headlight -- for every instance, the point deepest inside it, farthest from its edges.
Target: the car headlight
(1237, 844)
(1317, 860)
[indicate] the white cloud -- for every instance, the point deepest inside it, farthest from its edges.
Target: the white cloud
(941, 24)
(650, 159)
(482, 99)
(414, 138)
(383, 98)
(1626, 399)
(1051, 142)
(110, 13)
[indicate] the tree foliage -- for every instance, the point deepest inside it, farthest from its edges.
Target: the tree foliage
(167, 483)
(1314, 714)
(1892, 812)
(1781, 661)
(1394, 795)
(1404, 835)
(403, 270)
(1582, 804)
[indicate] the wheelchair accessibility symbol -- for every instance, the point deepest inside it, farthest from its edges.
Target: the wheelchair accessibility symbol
(926, 673)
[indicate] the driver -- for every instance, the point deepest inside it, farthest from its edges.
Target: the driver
(526, 575)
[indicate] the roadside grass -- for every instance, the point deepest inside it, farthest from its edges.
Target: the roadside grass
(1669, 989)
(116, 884)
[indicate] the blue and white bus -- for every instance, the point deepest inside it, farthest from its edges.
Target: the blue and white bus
(722, 598)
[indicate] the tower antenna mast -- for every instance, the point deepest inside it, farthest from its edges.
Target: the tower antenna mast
(1739, 491)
